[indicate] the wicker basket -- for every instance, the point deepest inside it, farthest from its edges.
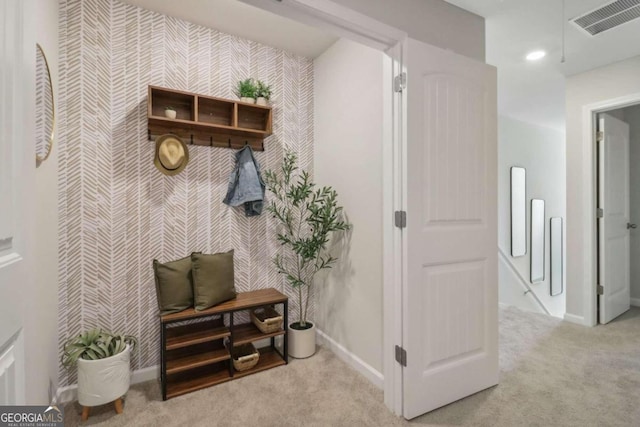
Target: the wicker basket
(267, 319)
(245, 357)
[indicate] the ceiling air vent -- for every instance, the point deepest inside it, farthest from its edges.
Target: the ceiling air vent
(609, 16)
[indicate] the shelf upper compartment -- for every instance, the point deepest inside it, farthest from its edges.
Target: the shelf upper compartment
(196, 333)
(248, 332)
(187, 361)
(207, 120)
(182, 102)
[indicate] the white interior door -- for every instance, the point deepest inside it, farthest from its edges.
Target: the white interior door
(613, 235)
(450, 295)
(17, 167)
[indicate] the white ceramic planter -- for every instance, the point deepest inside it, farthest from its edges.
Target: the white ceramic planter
(302, 343)
(248, 100)
(170, 114)
(104, 380)
(262, 101)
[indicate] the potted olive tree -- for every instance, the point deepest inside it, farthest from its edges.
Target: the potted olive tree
(103, 366)
(307, 215)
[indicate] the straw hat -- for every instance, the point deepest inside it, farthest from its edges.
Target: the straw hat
(172, 155)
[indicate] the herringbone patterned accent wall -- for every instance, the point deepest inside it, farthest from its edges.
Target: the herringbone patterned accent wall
(117, 212)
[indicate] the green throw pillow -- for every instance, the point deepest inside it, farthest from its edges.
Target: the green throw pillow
(173, 285)
(212, 279)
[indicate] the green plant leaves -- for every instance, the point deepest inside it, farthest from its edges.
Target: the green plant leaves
(306, 217)
(95, 344)
(246, 89)
(263, 90)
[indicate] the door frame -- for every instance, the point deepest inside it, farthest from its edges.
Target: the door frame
(589, 229)
(363, 29)
(17, 236)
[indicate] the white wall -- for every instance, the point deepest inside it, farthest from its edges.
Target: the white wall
(541, 151)
(609, 82)
(42, 360)
(348, 156)
(632, 116)
(431, 21)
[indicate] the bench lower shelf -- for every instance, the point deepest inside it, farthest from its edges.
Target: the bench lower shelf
(269, 358)
(195, 379)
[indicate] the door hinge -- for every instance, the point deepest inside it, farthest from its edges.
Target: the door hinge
(401, 219)
(600, 290)
(401, 355)
(400, 82)
(599, 213)
(599, 136)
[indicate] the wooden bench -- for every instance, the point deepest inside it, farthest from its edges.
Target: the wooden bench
(194, 355)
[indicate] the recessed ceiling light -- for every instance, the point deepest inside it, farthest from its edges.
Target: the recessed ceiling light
(535, 55)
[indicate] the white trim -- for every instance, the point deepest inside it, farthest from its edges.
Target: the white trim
(7, 260)
(352, 360)
(635, 302)
(589, 112)
(337, 19)
(392, 236)
(575, 319)
(70, 393)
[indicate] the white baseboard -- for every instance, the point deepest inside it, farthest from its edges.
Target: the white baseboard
(70, 393)
(635, 302)
(575, 319)
(352, 360)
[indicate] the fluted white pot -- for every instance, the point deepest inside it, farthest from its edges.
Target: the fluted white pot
(104, 380)
(262, 101)
(170, 114)
(248, 100)
(302, 342)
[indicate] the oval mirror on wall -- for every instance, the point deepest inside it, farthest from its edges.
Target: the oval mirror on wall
(45, 111)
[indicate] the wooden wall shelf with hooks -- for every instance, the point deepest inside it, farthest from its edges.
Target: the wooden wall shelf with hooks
(207, 120)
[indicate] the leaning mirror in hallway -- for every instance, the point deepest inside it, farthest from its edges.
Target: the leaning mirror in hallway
(518, 212)
(556, 257)
(537, 240)
(45, 112)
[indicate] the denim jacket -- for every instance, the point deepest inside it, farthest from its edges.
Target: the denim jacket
(245, 183)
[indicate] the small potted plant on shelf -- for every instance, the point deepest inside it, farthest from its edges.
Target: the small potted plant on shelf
(306, 216)
(103, 360)
(170, 112)
(246, 91)
(263, 93)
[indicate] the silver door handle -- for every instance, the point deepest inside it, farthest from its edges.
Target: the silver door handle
(629, 225)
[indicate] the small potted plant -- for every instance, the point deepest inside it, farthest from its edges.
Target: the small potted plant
(103, 360)
(306, 217)
(263, 93)
(170, 112)
(246, 91)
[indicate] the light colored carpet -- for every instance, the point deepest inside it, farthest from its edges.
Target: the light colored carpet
(552, 374)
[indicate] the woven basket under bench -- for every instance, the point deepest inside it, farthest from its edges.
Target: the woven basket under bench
(267, 319)
(245, 357)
